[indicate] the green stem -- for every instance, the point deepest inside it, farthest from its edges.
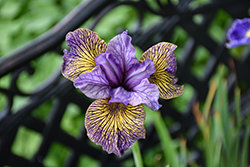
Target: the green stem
(137, 155)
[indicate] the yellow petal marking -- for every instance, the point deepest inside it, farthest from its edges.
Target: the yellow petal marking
(167, 88)
(114, 126)
(85, 45)
(160, 54)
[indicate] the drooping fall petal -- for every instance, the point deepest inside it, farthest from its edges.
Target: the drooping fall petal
(114, 126)
(84, 45)
(165, 64)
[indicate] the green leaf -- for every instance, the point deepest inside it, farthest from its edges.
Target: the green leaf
(168, 145)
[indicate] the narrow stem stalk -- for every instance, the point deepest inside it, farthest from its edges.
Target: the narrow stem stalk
(137, 155)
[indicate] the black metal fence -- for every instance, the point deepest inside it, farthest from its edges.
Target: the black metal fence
(62, 93)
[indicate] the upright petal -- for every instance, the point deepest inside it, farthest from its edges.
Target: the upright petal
(114, 126)
(138, 72)
(93, 84)
(145, 93)
(111, 67)
(84, 45)
(165, 64)
(121, 48)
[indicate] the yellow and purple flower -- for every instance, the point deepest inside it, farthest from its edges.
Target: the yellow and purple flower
(111, 74)
(239, 33)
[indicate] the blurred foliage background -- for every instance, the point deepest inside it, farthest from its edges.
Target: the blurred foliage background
(24, 20)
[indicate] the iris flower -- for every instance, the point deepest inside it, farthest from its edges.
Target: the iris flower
(111, 74)
(239, 33)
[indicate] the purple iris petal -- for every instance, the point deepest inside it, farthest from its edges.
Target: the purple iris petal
(111, 67)
(84, 45)
(68, 68)
(239, 33)
(93, 84)
(119, 95)
(145, 93)
(172, 64)
(138, 72)
(121, 48)
(114, 126)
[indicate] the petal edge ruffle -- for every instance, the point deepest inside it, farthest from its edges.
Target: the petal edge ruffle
(120, 47)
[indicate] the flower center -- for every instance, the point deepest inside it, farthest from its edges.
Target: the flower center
(111, 68)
